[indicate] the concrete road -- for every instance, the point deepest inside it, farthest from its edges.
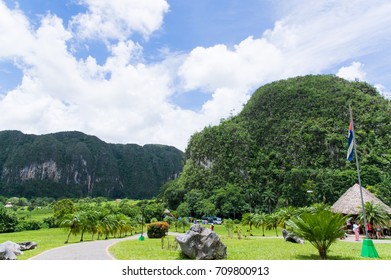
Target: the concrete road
(89, 250)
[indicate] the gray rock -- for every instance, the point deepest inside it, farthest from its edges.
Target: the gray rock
(291, 237)
(202, 244)
(28, 245)
(9, 250)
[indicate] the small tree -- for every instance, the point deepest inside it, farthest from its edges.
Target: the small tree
(8, 220)
(259, 220)
(73, 222)
(321, 229)
(229, 226)
(183, 222)
(375, 214)
(157, 230)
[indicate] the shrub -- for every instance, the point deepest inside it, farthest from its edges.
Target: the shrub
(8, 220)
(51, 222)
(157, 230)
(28, 225)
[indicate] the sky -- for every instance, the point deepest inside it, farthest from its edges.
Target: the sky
(157, 71)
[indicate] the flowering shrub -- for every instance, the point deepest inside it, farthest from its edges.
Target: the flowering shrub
(157, 230)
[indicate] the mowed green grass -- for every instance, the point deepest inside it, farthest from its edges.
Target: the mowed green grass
(252, 248)
(45, 238)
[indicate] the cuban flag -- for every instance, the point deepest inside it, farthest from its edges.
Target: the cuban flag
(349, 155)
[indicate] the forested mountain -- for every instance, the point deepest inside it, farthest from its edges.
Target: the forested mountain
(287, 147)
(73, 164)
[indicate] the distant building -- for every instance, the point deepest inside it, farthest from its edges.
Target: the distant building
(8, 205)
(350, 202)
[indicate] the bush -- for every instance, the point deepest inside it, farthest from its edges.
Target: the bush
(28, 225)
(51, 222)
(8, 220)
(157, 230)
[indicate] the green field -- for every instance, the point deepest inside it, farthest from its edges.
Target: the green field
(247, 247)
(45, 238)
(251, 248)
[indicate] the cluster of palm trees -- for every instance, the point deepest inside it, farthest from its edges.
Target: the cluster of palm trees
(99, 223)
(279, 218)
(316, 223)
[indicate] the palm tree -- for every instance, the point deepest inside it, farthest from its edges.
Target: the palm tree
(375, 214)
(183, 222)
(272, 221)
(123, 224)
(285, 214)
(89, 223)
(259, 220)
(269, 197)
(321, 229)
(73, 222)
(248, 219)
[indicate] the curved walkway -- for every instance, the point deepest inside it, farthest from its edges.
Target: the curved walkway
(89, 250)
(350, 238)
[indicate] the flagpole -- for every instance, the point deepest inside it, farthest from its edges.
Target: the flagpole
(358, 172)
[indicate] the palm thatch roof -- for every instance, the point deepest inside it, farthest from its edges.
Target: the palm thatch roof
(350, 202)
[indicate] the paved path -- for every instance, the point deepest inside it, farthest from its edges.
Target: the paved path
(350, 238)
(89, 250)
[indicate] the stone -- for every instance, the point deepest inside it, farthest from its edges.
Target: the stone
(28, 245)
(9, 250)
(202, 244)
(291, 237)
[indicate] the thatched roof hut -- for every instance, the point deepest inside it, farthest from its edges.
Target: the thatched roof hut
(350, 202)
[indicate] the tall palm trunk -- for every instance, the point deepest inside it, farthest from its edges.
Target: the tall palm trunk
(69, 234)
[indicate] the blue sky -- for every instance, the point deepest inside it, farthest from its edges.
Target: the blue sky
(136, 71)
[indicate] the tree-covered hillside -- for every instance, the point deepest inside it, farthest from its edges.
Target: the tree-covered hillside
(72, 164)
(287, 147)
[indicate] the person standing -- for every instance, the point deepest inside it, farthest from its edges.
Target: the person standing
(356, 230)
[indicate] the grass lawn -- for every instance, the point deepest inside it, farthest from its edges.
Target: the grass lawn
(253, 247)
(45, 238)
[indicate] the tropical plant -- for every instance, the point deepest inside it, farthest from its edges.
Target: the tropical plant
(73, 222)
(259, 220)
(375, 214)
(273, 221)
(229, 226)
(8, 220)
(157, 230)
(285, 214)
(248, 219)
(89, 222)
(321, 229)
(183, 222)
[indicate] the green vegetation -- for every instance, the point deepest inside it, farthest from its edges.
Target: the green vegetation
(286, 148)
(72, 164)
(280, 163)
(157, 229)
(45, 238)
(246, 248)
(321, 229)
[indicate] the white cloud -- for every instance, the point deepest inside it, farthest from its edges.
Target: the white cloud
(118, 19)
(312, 37)
(383, 91)
(353, 72)
(126, 100)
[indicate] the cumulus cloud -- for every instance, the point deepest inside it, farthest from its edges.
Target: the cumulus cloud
(383, 91)
(127, 100)
(309, 39)
(118, 19)
(353, 72)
